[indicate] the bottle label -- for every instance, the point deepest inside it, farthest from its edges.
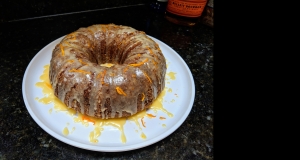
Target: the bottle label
(186, 8)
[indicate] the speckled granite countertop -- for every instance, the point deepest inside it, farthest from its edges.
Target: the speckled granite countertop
(20, 41)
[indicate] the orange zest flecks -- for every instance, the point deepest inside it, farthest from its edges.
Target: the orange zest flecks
(98, 76)
(151, 52)
(119, 44)
(70, 60)
(125, 69)
(150, 115)
(102, 78)
(68, 43)
(89, 44)
(73, 35)
(143, 122)
(120, 91)
(139, 64)
(154, 62)
(88, 119)
(80, 71)
(62, 49)
(143, 97)
(157, 46)
(111, 74)
(83, 63)
(162, 118)
(147, 77)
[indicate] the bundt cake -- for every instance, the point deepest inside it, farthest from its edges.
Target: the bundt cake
(107, 71)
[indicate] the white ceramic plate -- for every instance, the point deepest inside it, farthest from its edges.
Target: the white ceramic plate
(179, 102)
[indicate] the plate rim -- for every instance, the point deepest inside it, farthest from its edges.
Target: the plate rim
(118, 148)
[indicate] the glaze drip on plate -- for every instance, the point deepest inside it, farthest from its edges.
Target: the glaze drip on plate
(141, 119)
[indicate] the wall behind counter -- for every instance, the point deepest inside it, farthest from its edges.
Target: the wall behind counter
(14, 10)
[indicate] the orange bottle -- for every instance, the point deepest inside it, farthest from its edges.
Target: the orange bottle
(185, 12)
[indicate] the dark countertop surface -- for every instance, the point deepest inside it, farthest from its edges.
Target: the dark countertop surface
(22, 138)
